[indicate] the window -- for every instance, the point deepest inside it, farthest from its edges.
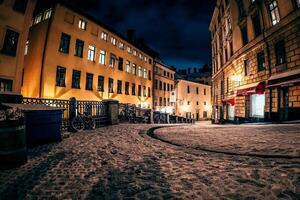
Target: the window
(256, 25)
(260, 61)
(112, 60)
(128, 49)
(197, 103)
(298, 3)
(149, 92)
(145, 59)
(188, 89)
(91, 53)
(204, 91)
(113, 41)
(127, 66)
(140, 56)
(144, 91)
(5, 85)
(165, 73)
(26, 47)
(188, 103)
(140, 71)
(82, 24)
(120, 64)
(244, 35)
(241, 8)
(145, 73)
(227, 84)
(102, 57)
(160, 101)
(160, 85)
(197, 90)
(64, 43)
(165, 86)
(121, 45)
(133, 89)
(76, 79)
(79, 48)
(171, 87)
(231, 48)
(47, 14)
(280, 52)
(111, 85)
(89, 81)
(149, 75)
(274, 12)
(38, 18)
(100, 83)
(127, 88)
(150, 61)
(104, 36)
(69, 18)
(119, 87)
(134, 69)
(20, 5)
(134, 52)
(60, 76)
(10, 42)
(246, 67)
(139, 90)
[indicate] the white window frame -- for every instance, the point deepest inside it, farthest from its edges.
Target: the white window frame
(128, 49)
(127, 66)
(26, 47)
(104, 36)
(140, 71)
(121, 45)
(145, 73)
(112, 61)
(82, 24)
(274, 12)
(134, 69)
(134, 52)
(113, 40)
(91, 53)
(102, 57)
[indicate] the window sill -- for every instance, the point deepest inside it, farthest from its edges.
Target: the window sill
(76, 88)
(60, 85)
(12, 54)
(78, 56)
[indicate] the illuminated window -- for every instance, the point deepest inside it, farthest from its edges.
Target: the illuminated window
(128, 49)
(104, 36)
(82, 24)
(145, 73)
(47, 14)
(298, 3)
(141, 56)
(100, 83)
(91, 53)
(127, 66)
(113, 41)
(121, 45)
(120, 64)
(280, 52)
(38, 18)
(102, 57)
(89, 81)
(134, 69)
(274, 12)
(79, 48)
(140, 71)
(145, 59)
(64, 43)
(60, 76)
(76, 79)
(134, 52)
(26, 47)
(119, 87)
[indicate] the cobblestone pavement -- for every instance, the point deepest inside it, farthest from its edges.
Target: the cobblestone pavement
(119, 162)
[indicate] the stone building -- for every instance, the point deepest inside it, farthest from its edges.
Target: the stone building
(163, 85)
(192, 99)
(71, 54)
(201, 75)
(15, 20)
(256, 60)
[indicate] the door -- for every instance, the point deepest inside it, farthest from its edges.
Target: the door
(283, 102)
(197, 116)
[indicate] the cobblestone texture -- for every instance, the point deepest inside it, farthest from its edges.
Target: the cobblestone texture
(119, 163)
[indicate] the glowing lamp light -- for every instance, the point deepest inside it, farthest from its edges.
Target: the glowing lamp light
(237, 78)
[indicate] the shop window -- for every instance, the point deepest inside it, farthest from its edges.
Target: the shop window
(79, 48)
(257, 105)
(20, 5)
(64, 43)
(5, 85)
(76, 79)
(89, 81)
(10, 42)
(280, 52)
(60, 76)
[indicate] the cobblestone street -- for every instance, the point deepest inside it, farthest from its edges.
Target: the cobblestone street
(198, 161)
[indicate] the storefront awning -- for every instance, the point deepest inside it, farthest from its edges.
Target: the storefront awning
(289, 78)
(253, 88)
(230, 101)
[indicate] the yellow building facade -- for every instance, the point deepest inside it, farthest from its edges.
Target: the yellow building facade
(256, 60)
(73, 55)
(15, 20)
(192, 100)
(163, 86)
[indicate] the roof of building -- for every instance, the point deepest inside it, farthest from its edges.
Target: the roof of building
(192, 81)
(138, 43)
(165, 65)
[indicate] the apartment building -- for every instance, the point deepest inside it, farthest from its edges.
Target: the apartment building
(256, 60)
(71, 54)
(163, 85)
(15, 19)
(192, 99)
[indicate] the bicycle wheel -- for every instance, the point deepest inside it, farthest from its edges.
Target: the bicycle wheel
(77, 124)
(90, 123)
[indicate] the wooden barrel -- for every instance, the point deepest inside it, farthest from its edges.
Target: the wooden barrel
(13, 152)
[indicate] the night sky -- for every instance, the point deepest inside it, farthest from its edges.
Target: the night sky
(176, 29)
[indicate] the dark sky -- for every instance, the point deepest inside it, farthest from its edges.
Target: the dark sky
(176, 29)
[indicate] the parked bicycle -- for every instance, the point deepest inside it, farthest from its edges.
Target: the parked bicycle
(83, 122)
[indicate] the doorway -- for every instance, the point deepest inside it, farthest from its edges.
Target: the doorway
(283, 104)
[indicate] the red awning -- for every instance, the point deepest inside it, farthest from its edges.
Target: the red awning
(254, 88)
(230, 101)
